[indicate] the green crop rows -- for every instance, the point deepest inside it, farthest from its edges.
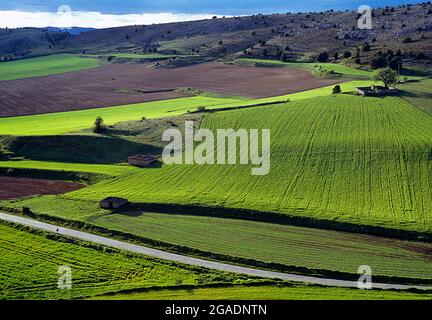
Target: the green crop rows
(290, 292)
(288, 245)
(63, 122)
(309, 66)
(361, 160)
(30, 265)
(44, 66)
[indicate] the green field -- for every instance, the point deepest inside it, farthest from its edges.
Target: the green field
(30, 263)
(142, 56)
(283, 244)
(309, 66)
(44, 66)
(110, 170)
(275, 292)
(267, 242)
(418, 93)
(145, 56)
(344, 158)
(341, 158)
(65, 122)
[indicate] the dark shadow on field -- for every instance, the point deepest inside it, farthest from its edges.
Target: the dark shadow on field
(415, 94)
(80, 149)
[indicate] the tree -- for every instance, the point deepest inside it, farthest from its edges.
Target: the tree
(98, 125)
(284, 57)
(378, 62)
(337, 89)
(386, 75)
(347, 54)
(396, 63)
(366, 47)
(323, 57)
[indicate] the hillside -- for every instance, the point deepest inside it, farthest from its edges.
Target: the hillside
(24, 42)
(288, 36)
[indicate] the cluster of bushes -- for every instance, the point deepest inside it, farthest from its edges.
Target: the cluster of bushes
(387, 59)
(322, 72)
(323, 57)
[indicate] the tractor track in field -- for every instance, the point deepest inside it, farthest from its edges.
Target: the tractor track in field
(139, 249)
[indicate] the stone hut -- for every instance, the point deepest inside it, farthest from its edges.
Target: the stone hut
(111, 203)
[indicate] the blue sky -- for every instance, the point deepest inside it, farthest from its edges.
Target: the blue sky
(226, 7)
(115, 13)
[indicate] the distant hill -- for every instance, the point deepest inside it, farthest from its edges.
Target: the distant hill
(73, 30)
(406, 30)
(23, 42)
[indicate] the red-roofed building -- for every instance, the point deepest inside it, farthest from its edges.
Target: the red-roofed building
(140, 160)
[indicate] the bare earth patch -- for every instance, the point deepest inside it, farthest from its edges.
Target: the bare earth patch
(98, 87)
(16, 188)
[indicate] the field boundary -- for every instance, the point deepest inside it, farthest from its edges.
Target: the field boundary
(262, 283)
(82, 177)
(262, 104)
(196, 253)
(282, 218)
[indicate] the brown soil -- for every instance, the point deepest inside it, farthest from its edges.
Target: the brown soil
(16, 188)
(96, 88)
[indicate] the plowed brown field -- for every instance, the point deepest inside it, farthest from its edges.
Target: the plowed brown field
(96, 88)
(15, 188)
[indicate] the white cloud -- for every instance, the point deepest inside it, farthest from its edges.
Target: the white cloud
(66, 18)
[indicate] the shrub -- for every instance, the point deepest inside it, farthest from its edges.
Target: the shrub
(407, 40)
(323, 57)
(378, 62)
(336, 89)
(98, 125)
(347, 54)
(366, 47)
(284, 57)
(321, 72)
(421, 55)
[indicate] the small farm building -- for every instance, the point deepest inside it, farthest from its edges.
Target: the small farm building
(113, 203)
(141, 160)
(376, 91)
